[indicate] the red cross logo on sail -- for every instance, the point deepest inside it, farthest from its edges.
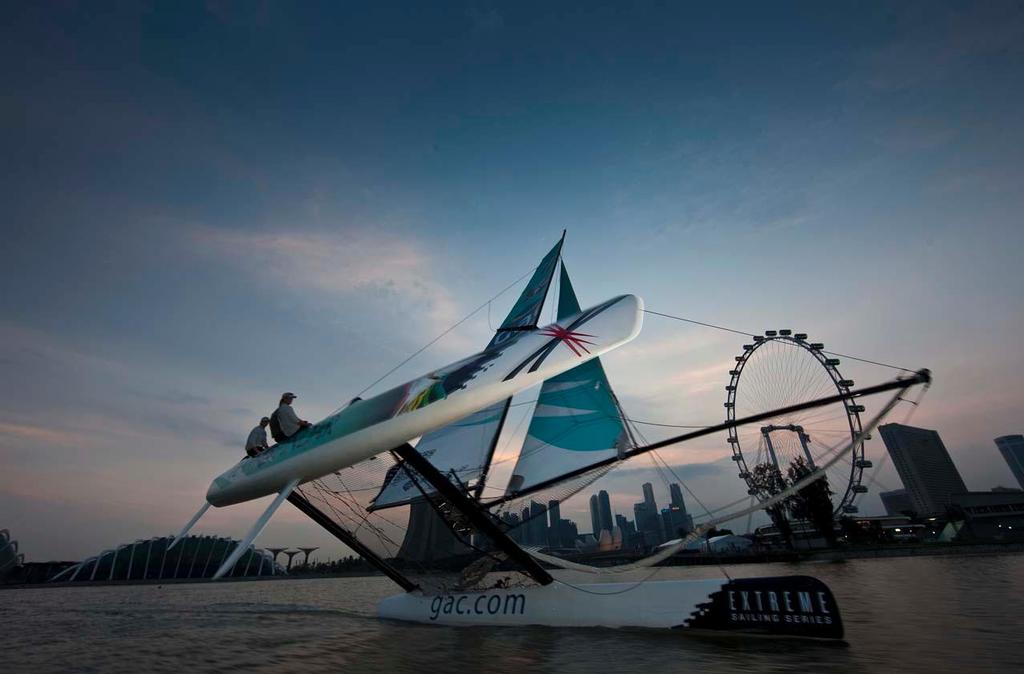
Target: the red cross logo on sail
(573, 340)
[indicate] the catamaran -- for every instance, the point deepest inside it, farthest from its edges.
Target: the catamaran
(357, 474)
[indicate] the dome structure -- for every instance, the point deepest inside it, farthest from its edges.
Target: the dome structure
(192, 557)
(10, 558)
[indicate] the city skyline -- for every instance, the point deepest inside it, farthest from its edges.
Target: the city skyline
(537, 524)
(196, 223)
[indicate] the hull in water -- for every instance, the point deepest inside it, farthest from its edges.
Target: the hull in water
(799, 606)
(375, 425)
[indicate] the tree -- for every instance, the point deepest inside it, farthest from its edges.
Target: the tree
(767, 481)
(813, 502)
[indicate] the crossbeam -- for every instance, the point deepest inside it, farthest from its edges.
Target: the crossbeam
(343, 535)
(900, 383)
(477, 517)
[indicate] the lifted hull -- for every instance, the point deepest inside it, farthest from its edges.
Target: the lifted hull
(369, 427)
(790, 606)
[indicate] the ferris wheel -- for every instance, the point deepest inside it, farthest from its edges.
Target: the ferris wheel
(779, 369)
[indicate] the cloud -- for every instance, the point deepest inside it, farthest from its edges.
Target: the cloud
(388, 267)
(46, 435)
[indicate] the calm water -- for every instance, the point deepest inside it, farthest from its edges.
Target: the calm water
(912, 615)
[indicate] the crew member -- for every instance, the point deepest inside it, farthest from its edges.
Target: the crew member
(257, 441)
(284, 423)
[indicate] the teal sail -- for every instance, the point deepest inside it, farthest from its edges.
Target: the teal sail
(463, 450)
(577, 420)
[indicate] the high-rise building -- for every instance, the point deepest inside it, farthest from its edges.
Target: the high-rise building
(675, 522)
(924, 466)
(1012, 449)
(595, 516)
(538, 524)
(896, 502)
(628, 528)
(677, 496)
(567, 533)
(515, 532)
(554, 524)
(676, 493)
(605, 510)
(649, 497)
(648, 523)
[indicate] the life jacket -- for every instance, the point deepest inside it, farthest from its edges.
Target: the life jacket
(275, 428)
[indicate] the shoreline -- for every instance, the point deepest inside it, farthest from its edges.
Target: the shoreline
(811, 556)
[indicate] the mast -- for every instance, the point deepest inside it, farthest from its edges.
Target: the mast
(481, 481)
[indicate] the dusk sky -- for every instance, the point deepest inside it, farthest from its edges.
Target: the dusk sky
(206, 204)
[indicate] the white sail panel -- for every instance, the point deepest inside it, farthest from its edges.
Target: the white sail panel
(461, 445)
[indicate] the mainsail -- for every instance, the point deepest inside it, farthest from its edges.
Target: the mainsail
(577, 421)
(463, 450)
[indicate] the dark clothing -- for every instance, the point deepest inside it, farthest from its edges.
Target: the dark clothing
(275, 428)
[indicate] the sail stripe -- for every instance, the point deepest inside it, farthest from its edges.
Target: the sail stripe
(559, 411)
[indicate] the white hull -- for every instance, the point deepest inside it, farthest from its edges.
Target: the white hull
(790, 605)
(375, 425)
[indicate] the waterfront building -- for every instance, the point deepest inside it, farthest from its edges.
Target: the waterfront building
(595, 516)
(895, 528)
(192, 557)
(428, 538)
(10, 558)
(1012, 449)
(989, 515)
(896, 502)
(924, 465)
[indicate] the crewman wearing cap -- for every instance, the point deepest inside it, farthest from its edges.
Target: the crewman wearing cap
(257, 440)
(284, 423)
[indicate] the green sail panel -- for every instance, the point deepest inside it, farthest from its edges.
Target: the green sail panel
(526, 310)
(576, 422)
(463, 450)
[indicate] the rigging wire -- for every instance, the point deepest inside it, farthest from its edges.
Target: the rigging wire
(445, 332)
(751, 334)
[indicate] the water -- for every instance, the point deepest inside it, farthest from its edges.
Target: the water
(925, 614)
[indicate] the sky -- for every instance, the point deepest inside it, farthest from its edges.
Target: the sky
(203, 204)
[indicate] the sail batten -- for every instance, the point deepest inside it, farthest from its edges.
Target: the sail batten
(464, 449)
(577, 421)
